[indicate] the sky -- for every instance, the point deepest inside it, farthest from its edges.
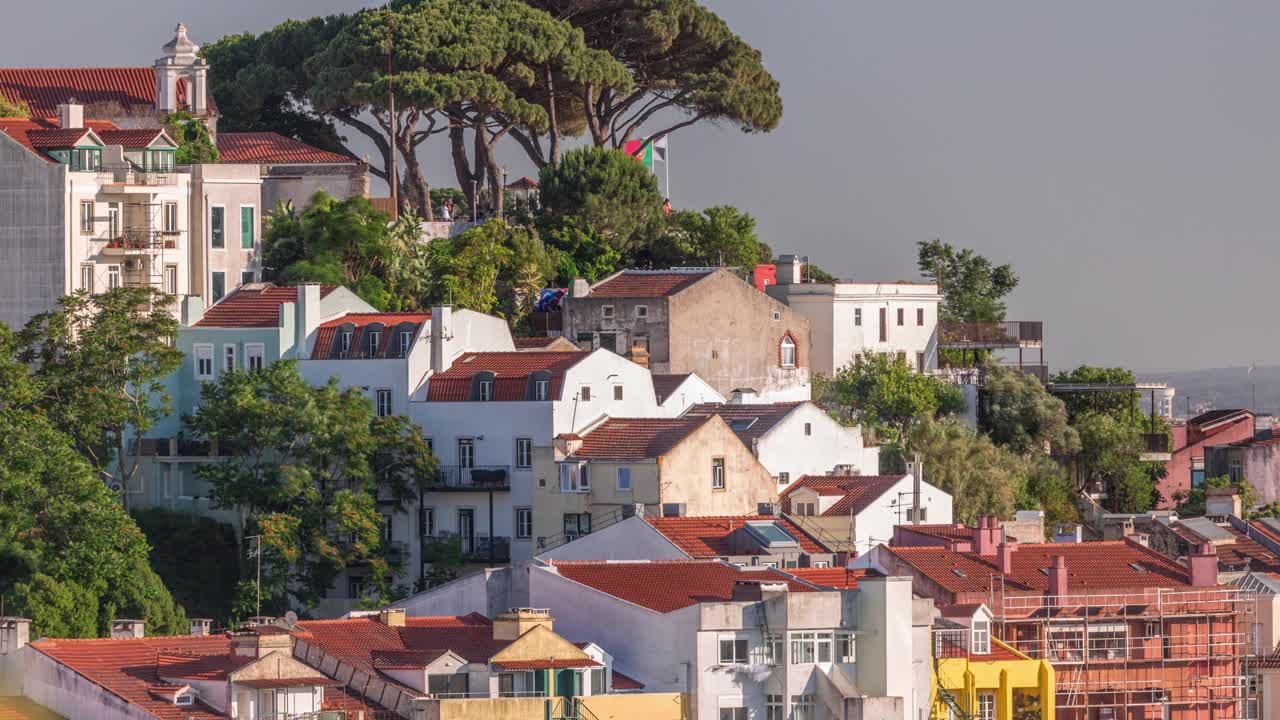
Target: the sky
(1121, 155)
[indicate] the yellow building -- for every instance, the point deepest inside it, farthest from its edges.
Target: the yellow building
(976, 676)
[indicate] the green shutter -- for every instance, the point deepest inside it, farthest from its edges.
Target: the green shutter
(217, 223)
(246, 227)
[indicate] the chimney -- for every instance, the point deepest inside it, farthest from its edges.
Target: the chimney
(518, 621)
(391, 617)
(984, 540)
(200, 626)
(259, 641)
(1202, 565)
(70, 115)
(308, 318)
(744, 396)
(1057, 579)
(441, 327)
(755, 590)
(15, 633)
(127, 629)
(579, 288)
(638, 355)
(1004, 556)
(790, 270)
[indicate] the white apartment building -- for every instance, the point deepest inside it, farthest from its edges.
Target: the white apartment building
(848, 319)
(858, 512)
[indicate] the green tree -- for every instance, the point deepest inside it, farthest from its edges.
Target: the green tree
(973, 289)
(195, 145)
(609, 190)
(879, 391)
(1192, 503)
(309, 467)
(1108, 457)
(578, 250)
(1023, 416)
(982, 478)
(492, 268)
(1121, 404)
(202, 582)
(99, 364)
(13, 109)
(721, 235)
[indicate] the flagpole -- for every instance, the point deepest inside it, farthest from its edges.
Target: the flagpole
(666, 163)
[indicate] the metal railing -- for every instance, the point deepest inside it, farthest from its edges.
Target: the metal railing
(598, 522)
(475, 548)
(477, 477)
(977, 376)
(134, 238)
(951, 642)
(130, 174)
(1155, 442)
(1012, 333)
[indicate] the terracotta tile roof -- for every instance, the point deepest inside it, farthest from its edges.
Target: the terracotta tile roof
(836, 577)
(955, 531)
(128, 668)
(548, 664)
(636, 438)
(20, 708)
(1092, 567)
(511, 371)
(960, 610)
(625, 682)
(1213, 416)
(269, 147)
(752, 420)
(1242, 553)
(535, 343)
(56, 138)
(1266, 531)
(668, 585)
(36, 134)
(132, 137)
(646, 283)
(857, 492)
(256, 305)
(271, 683)
(709, 537)
(664, 385)
(327, 334)
(1259, 662)
(191, 666)
(344, 700)
(43, 89)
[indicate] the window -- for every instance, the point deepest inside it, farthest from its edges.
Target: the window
(857, 317)
(228, 358)
(986, 706)
(170, 217)
(788, 352)
(642, 312)
(784, 478)
(777, 315)
(486, 390)
(803, 647)
(920, 513)
(981, 639)
(844, 647)
(1236, 471)
(808, 429)
(86, 216)
(113, 277)
(773, 708)
(204, 361)
(466, 452)
(186, 698)
(884, 324)
(575, 478)
(733, 713)
(606, 312)
(246, 277)
(802, 707)
(217, 226)
(506, 685)
(617, 392)
(733, 651)
(375, 341)
(920, 317)
(217, 286)
(585, 393)
(824, 647)
(770, 651)
(246, 227)
(1108, 641)
(624, 479)
(346, 341)
(524, 452)
(427, 521)
(387, 534)
(406, 337)
(717, 473)
(383, 405)
(524, 523)
(171, 279)
(919, 362)
(901, 316)
(821, 564)
(450, 685)
(86, 277)
(254, 354)
(577, 524)
(89, 159)
(113, 220)
(540, 389)
(805, 508)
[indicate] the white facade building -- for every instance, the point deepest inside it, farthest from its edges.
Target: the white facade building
(863, 510)
(848, 319)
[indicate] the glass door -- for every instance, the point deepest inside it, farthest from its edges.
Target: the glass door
(467, 529)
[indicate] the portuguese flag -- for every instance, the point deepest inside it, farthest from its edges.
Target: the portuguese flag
(644, 152)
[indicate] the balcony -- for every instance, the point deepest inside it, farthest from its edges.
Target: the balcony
(975, 375)
(139, 240)
(132, 176)
(477, 548)
(991, 336)
(1155, 448)
(478, 478)
(951, 642)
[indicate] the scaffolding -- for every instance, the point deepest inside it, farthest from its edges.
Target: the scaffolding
(138, 236)
(1147, 653)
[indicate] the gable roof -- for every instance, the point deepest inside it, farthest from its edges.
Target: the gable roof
(1236, 550)
(128, 668)
(647, 283)
(664, 385)
(43, 89)
(832, 577)
(1212, 417)
(636, 438)
(857, 492)
(668, 585)
(709, 536)
(511, 370)
(543, 342)
(254, 305)
(755, 420)
(1092, 567)
(327, 333)
(134, 137)
(269, 147)
(39, 134)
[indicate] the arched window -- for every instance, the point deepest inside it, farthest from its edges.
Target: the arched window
(787, 352)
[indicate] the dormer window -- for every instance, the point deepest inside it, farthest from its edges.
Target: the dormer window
(86, 159)
(980, 637)
(346, 340)
(541, 388)
(486, 390)
(375, 341)
(185, 698)
(406, 337)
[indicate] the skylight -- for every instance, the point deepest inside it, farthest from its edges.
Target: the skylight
(770, 534)
(959, 573)
(740, 424)
(1139, 567)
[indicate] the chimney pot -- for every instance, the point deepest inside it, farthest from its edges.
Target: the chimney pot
(70, 115)
(1202, 565)
(1057, 580)
(200, 626)
(392, 617)
(1004, 553)
(127, 629)
(15, 633)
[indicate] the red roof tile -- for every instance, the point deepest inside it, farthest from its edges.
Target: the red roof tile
(253, 306)
(43, 89)
(1092, 567)
(132, 137)
(344, 700)
(36, 134)
(625, 682)
(709, 537)
(1262, 528)
(668, 585)
(547, 664)
(1242, 553)
(955, 531)
(20, 708)
(325, 347)
(511, 371)
(542, 342)
(128, 668)
(646, 283)
(270, 683)
(269, 147)
(857, 492)
(204, 666)
(836, 577)
(754, 420)
(636, 438)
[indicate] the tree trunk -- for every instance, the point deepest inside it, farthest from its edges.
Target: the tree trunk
(419, 195)
(554, 126)
(462, 166)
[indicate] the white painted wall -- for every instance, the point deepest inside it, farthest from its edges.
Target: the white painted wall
(787, 449)
(601, 371)
(874, 525)
(630, 539)
(692, 391)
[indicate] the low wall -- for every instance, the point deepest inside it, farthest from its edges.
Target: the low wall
(651, 706)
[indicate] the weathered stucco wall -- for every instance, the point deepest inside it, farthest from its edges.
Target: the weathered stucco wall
(686, 474)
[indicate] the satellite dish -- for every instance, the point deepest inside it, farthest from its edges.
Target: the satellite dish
(291, 618)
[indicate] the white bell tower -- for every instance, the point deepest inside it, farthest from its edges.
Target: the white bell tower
(180, 61)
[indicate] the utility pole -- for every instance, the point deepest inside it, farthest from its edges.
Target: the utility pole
(257, 553)
(392, 169)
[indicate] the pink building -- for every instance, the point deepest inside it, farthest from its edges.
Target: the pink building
(1186, 467)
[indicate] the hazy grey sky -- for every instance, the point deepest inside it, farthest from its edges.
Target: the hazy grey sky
(1123, 156)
